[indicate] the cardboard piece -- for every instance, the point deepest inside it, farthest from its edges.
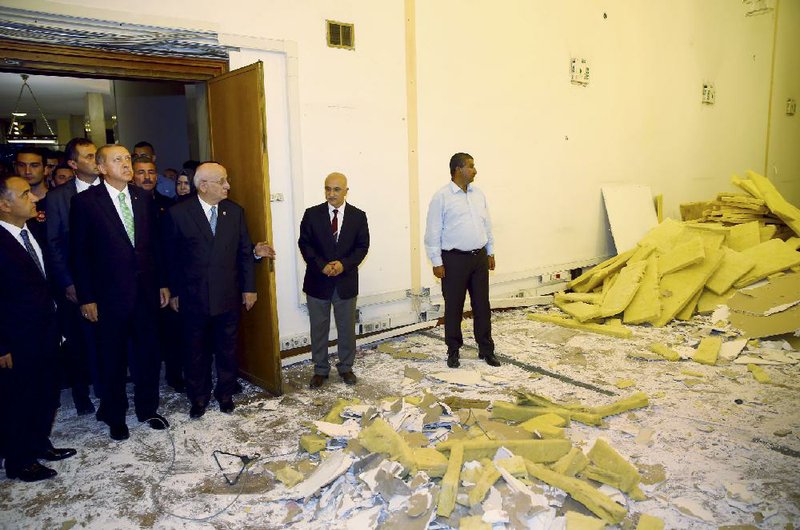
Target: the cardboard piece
(753, 310)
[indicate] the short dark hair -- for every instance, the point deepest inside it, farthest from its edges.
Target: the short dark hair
(458, 160)
(71, 150)
(145, 144)
(32, 151)
(142, 159)
(62, 165)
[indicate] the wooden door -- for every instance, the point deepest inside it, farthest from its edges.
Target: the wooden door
(238, 131)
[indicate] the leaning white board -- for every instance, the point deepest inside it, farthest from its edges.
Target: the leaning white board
(631, 213)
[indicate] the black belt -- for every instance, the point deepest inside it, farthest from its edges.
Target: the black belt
(458, 251)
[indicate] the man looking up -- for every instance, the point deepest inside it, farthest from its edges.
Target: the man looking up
(28, 340)
(114, 249)
(460, 245)
(211, 261)
(334, 240)
(79, 347)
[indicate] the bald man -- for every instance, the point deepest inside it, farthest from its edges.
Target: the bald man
(334, 240)
(211, 277)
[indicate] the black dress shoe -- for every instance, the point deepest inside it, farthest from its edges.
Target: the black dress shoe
(197, 411)
(490, 359)
(317, 380)
(349, 378)
(156, 421)
(55, 453)
(452, 359)
(226, 406)
(178, 386)
(84, 406)
(119, 432)
(32, 473)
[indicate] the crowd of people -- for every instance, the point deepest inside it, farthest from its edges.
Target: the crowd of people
(103, 259)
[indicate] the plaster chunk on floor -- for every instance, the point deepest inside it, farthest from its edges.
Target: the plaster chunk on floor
(578, 521)
(694, 508)
(708, 351)
(604, 329)
(650, 522)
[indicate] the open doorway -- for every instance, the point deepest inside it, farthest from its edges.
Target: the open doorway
(163, 113)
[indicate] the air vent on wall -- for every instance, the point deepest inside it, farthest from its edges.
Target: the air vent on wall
(341, 35)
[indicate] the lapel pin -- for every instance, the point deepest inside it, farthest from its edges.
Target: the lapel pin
(224, 212)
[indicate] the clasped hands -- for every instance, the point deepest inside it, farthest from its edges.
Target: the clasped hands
(333, 268)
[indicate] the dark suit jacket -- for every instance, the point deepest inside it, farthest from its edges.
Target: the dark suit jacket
(58, 203)
(208, 272)
(106, 268)
(27, 312)
(318, 248)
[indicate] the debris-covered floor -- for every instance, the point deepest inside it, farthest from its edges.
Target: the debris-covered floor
(714, 448)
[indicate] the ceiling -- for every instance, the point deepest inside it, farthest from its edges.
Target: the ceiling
(58, 96)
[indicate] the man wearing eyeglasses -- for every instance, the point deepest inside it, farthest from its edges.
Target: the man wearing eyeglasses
(211, 264)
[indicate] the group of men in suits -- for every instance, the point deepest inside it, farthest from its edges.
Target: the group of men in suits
(108, 263)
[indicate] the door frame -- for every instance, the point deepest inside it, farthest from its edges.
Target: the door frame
(74, 61)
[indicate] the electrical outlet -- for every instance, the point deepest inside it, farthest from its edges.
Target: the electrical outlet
(709, 94)
(791, 107)
(579, 71)
(276, 197)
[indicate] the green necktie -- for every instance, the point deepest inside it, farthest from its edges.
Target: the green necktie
(127, 217)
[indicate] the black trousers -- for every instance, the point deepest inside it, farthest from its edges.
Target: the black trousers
(116, 331)
(208, 338)
(170, 344)
(29, 394)
(78, 352)
(466, 272)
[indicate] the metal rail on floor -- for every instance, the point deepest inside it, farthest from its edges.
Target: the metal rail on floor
(531, 368)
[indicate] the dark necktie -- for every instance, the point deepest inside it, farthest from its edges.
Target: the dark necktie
(29, 247)
(335, 224)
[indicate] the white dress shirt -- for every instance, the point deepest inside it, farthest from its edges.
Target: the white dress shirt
(83, 186)
(114, 192)
(339, 217)
(457, 220)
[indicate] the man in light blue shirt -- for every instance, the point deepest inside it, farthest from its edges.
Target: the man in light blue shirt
(460, 245)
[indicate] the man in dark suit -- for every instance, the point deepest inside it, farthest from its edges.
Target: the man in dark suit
(79, 349)
(114, 250)
(28, 340)
(334, 240)
(145, 176)
(211, 275)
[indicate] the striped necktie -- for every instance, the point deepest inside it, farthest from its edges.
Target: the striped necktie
(213, 220)
(127, 217)
(29, 247)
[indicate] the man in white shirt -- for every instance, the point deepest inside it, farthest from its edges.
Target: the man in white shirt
(460, 245)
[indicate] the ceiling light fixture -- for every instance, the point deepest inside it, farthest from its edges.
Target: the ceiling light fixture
(15, 135)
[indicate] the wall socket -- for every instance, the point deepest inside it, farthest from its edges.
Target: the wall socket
(579, 71)
(791, 107)
(295, 341)
(709, 94)
(371, 326)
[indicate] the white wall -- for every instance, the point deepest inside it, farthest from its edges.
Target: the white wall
(784, 141)
(493, 81)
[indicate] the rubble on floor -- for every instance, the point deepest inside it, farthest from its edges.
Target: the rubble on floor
(419, 463)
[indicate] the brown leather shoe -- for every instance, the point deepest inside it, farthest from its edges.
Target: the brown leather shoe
(349, 378)
(317, 381)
